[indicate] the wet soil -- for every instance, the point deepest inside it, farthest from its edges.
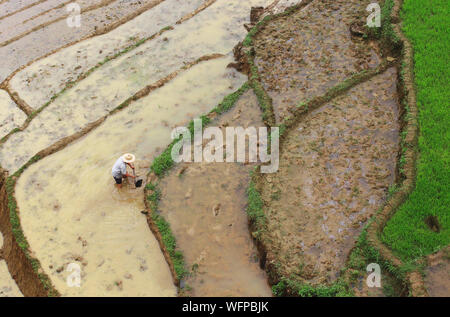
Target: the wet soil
(205, 206)
(71, 212)
(335, 168)
(437, 280)
(304, 54)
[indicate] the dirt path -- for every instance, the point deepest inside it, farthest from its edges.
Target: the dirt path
(205, 207)
(104, 231)
(335, 169)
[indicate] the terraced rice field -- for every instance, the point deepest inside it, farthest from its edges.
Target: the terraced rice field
(73, 100)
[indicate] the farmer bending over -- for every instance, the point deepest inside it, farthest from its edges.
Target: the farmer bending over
(119, 170)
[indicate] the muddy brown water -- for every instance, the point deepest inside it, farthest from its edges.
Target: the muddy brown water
(304, 54)
(58, 34)
(335, 168)
(71, 212)
(205, 207)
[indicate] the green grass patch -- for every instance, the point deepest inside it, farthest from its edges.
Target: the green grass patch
(425, 23)
(255, 207)
(166, 233)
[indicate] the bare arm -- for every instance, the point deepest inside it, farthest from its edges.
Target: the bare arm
(130, 175)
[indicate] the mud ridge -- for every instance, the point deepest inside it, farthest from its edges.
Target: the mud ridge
(32, 113)
(20, 10)
(20, 103)
(416, 282)
(153, 178)
(437, 273)
(43, 25)
(141, 93)
(332, 93)
(99, 31)
(43, 286)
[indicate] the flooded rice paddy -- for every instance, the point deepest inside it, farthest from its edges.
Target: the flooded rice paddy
(72, 212)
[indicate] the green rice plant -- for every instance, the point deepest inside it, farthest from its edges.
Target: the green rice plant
(426, 23)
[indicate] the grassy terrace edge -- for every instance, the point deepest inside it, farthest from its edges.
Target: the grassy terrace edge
(18, 232)
(161, 165)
